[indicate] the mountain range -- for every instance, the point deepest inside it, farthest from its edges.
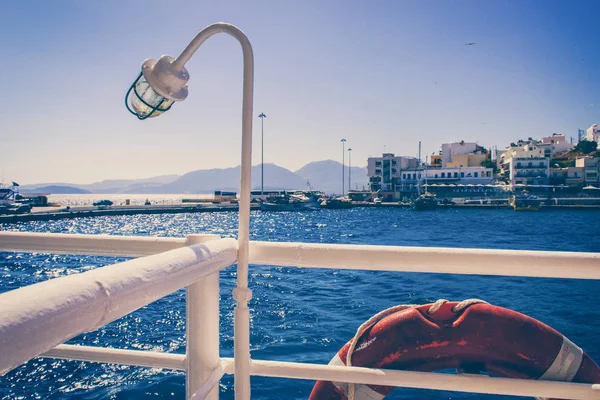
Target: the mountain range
(321, 175)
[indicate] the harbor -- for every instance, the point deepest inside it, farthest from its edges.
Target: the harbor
(70, 212)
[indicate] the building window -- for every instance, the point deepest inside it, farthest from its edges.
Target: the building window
(542, 165)
(476, 174)
(403, 176)
(377, 172)
(393, 170)
(443, 174)
(414, 176)
(530, 164)
(436, 175)
(456, 174)
(518, 165)
(394, 162)
(378, 163)
(462, 174)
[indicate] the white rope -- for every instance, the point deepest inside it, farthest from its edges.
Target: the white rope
(382, 314)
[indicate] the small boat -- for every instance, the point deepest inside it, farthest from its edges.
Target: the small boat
(525, 202)
(310, 200)
(337, 203)
(103, 203)
(285, 203)
(425, 201)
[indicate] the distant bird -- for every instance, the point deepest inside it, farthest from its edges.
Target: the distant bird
(470, 44)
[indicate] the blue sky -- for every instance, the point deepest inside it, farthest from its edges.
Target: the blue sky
(377, 73)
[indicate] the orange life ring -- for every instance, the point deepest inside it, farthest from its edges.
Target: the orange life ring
(477, 338)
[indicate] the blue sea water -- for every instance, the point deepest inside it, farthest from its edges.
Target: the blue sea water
(306, 315)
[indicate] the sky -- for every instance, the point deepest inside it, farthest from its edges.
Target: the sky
(384, 75)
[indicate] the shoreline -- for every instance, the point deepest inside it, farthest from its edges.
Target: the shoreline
(49, 214)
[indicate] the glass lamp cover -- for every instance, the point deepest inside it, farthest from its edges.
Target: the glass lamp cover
(146, 102)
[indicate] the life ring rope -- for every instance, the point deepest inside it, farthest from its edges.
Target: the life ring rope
(435, 307)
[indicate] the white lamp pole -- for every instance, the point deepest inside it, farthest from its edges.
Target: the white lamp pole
(262, 117)
(343, 162)
(163, 82)
(349, 169)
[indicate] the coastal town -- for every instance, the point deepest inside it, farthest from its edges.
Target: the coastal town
(552, 167)
(550, 172)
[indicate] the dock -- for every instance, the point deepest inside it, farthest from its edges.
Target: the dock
(54, 213)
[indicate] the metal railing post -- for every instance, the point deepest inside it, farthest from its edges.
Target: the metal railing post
(202, 334)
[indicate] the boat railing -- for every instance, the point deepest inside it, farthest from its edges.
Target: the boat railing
(36, 320)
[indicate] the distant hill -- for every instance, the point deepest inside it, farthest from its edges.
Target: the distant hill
(56, 189)
(112, 186)
(327, 176)
(125, 185)
(323, 175)
(208, 180)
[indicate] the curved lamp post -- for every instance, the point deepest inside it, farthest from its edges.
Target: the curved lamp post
(163, 82)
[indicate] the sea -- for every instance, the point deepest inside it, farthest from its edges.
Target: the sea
(304, 315)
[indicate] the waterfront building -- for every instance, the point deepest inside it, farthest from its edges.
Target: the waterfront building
(384, 171)
(569, 176)
(593, 133)
(590, 169)
(411, 179)
(580, 135)
(526, 163)
(399, 176)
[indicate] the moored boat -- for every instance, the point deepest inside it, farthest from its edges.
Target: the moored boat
(310, 200)
(286, 202)
(525, 202)
(425, 201)
(337, 203)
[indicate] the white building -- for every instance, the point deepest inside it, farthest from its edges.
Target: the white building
(384, 171)
(593, 133)
(410, 179)
(591, 169)
(527, 163)
(555, 144)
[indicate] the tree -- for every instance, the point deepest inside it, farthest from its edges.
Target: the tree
(586, 146)
(489, 164)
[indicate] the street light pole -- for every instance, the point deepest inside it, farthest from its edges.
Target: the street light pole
(343, 162)
(349, 169)
(163, 82)
(262, 117)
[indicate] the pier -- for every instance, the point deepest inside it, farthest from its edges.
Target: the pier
(54, 213)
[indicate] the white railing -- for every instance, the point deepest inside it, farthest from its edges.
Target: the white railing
(70, 305)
